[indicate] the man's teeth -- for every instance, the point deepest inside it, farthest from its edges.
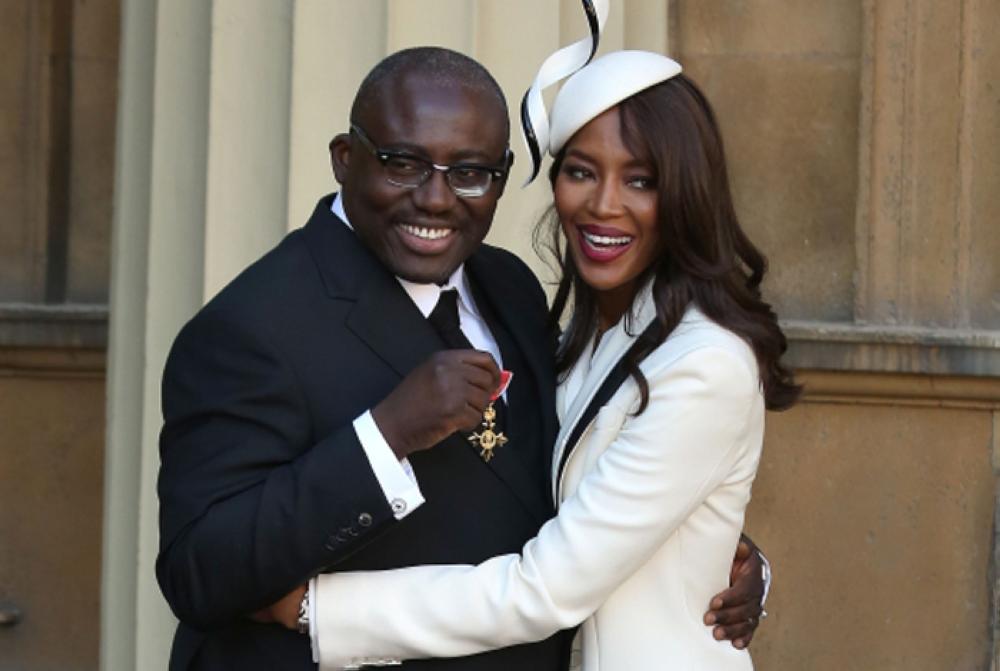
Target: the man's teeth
(606, 240)
(426, 233)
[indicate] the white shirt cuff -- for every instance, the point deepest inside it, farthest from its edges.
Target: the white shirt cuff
(395, 477)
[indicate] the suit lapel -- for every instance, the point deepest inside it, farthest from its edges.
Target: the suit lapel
(383, 316)
(390, 324)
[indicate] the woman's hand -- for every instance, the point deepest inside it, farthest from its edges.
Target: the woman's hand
(285, 611)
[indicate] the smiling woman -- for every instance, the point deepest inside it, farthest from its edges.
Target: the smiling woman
(642, 196)
(606, 202)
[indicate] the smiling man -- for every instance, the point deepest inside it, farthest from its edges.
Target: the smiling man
(301, 403)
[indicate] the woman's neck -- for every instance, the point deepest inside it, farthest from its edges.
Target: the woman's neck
(612, 304)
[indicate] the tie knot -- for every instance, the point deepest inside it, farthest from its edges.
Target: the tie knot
(444, 319)
(444, 316)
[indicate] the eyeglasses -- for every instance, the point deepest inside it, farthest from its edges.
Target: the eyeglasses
(407, 171)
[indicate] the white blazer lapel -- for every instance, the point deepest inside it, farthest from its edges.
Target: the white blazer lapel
(588, 373)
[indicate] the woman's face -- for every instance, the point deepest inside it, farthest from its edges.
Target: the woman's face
(606, 200)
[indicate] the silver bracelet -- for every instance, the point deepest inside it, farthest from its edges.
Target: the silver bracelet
(303, 621)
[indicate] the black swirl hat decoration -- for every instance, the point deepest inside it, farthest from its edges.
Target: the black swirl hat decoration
(593, 87)
(558, 66)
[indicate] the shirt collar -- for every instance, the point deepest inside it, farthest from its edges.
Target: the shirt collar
(424, 296)
(338, 209)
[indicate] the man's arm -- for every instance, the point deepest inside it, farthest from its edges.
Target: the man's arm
(251, 503)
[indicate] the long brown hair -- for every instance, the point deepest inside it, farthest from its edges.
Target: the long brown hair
(707, 259)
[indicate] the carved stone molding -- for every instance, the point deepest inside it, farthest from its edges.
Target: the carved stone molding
(54, 326)
(37, 362)
(893, 349)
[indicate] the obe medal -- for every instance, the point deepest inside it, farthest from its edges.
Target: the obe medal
(489, 438)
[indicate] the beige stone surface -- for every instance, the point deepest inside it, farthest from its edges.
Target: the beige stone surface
(58, 81)
(926, 224)
(747, 28)
(51, 470)
(877, 521)
(22, 170)
(94, 97)
(248, 119)
(790, 127)
(981, 164)
(863, 139)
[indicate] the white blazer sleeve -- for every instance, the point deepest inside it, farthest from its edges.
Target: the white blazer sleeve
(658, 469)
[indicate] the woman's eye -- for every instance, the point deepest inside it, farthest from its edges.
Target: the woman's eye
(644, 183)
(576, 172)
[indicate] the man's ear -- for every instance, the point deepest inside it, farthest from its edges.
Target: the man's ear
(340, 156)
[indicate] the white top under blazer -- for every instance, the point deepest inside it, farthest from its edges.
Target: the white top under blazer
(650, 512)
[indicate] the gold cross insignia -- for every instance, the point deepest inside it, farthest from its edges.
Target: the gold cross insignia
(488, 439)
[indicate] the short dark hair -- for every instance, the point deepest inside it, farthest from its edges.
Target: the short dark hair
(435, 64)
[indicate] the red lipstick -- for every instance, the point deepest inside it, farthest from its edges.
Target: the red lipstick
(602, 243)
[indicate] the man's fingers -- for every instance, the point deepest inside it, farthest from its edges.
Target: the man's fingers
(482, 360)
(744, 590)
(475, 366)
(481, 380)
(477, 397)
(471, 419)
(734, 614)
(740, 636)
(478, 358)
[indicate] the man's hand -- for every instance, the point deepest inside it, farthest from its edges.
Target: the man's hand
(445, 394)
(284, 612)
(735, 612)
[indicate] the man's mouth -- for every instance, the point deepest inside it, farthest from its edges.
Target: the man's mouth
(427, 232)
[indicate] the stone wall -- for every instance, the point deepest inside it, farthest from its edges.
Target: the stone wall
(863, 140)
(51, 500)
(864, 146)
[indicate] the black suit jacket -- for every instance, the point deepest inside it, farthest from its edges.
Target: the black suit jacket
(263, 481)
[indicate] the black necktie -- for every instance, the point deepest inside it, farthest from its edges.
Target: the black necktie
(444, 319)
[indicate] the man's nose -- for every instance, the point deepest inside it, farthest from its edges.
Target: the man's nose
(435, 195)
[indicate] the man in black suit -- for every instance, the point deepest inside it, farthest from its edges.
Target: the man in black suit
(299, 403)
